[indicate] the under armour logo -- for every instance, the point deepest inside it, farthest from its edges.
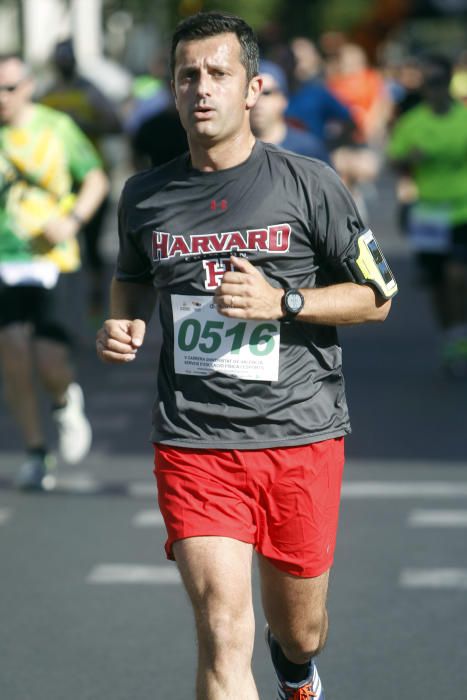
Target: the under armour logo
(221, 205)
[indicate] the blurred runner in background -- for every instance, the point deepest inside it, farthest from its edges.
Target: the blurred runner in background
(268, 116)
(311, 103)
(362, 89)
(429, 143)
(42, 153)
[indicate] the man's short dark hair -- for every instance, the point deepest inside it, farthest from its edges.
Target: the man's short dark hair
(207, 24)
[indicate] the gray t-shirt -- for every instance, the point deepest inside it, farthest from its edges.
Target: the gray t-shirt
(224, 384)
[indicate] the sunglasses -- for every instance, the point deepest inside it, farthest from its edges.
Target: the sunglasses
(11, 88)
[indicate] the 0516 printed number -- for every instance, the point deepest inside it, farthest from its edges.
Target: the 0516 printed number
(208, 338)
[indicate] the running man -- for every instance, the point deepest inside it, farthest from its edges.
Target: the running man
(255, 256)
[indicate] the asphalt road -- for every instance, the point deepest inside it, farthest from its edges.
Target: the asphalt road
(91, 610)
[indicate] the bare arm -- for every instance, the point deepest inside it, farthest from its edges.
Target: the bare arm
(343, 305)
(245, 293)
(131, 307)
(92, 192)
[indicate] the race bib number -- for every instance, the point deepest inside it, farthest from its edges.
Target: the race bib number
(206, 342)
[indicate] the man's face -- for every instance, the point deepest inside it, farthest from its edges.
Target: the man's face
(307, 59)
(15, 90)
(270, 108)
(211, 91)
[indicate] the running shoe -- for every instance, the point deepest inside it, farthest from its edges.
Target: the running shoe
(74, 429)
(37, 473)
(305, 690)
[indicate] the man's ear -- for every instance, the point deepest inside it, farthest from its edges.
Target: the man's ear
(253, 91)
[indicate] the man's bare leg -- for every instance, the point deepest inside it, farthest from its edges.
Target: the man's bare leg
(295, 609)
(216, 572)
(17, 363)
(54, 368)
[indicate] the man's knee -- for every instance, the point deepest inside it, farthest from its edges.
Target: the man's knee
(224, 629)
(300, 644)
(225, 634)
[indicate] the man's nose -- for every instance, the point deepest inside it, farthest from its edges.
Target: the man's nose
(204, 84)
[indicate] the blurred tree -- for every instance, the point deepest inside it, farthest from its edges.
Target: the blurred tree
(137, 8)
(340, 15)
(256, 12)
(302, 17)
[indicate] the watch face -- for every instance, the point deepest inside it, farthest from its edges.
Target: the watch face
(293, 301)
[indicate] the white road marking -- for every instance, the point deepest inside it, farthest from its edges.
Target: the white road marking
(148, 518)
(437, 518)
(434, 578)
(5, 515)
(404, 489)
(131, 574)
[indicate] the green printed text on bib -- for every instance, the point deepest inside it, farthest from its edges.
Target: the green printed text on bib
(206, 342)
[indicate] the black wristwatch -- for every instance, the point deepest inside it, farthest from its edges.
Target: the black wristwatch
(292, 303)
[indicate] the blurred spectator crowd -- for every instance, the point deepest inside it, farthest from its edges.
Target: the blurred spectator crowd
(323, 99)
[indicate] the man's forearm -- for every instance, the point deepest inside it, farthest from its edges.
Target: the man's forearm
(343, 304)
(130, 300)
(245, 293)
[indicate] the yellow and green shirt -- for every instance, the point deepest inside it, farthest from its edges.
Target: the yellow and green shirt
(40, 162)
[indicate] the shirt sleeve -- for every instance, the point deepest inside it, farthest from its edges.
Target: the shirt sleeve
(81, 154)
(337, 225)
(132, 264)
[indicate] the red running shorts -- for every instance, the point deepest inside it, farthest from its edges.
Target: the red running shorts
(283, 501)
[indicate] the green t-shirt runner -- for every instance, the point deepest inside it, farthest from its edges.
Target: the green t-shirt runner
(441, 176)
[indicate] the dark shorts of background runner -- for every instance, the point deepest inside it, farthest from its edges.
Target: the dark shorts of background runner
(46, 310)
(432, 266)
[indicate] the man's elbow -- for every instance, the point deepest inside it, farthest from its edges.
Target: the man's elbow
(99, 182)
(104, 183)
(381, 310)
